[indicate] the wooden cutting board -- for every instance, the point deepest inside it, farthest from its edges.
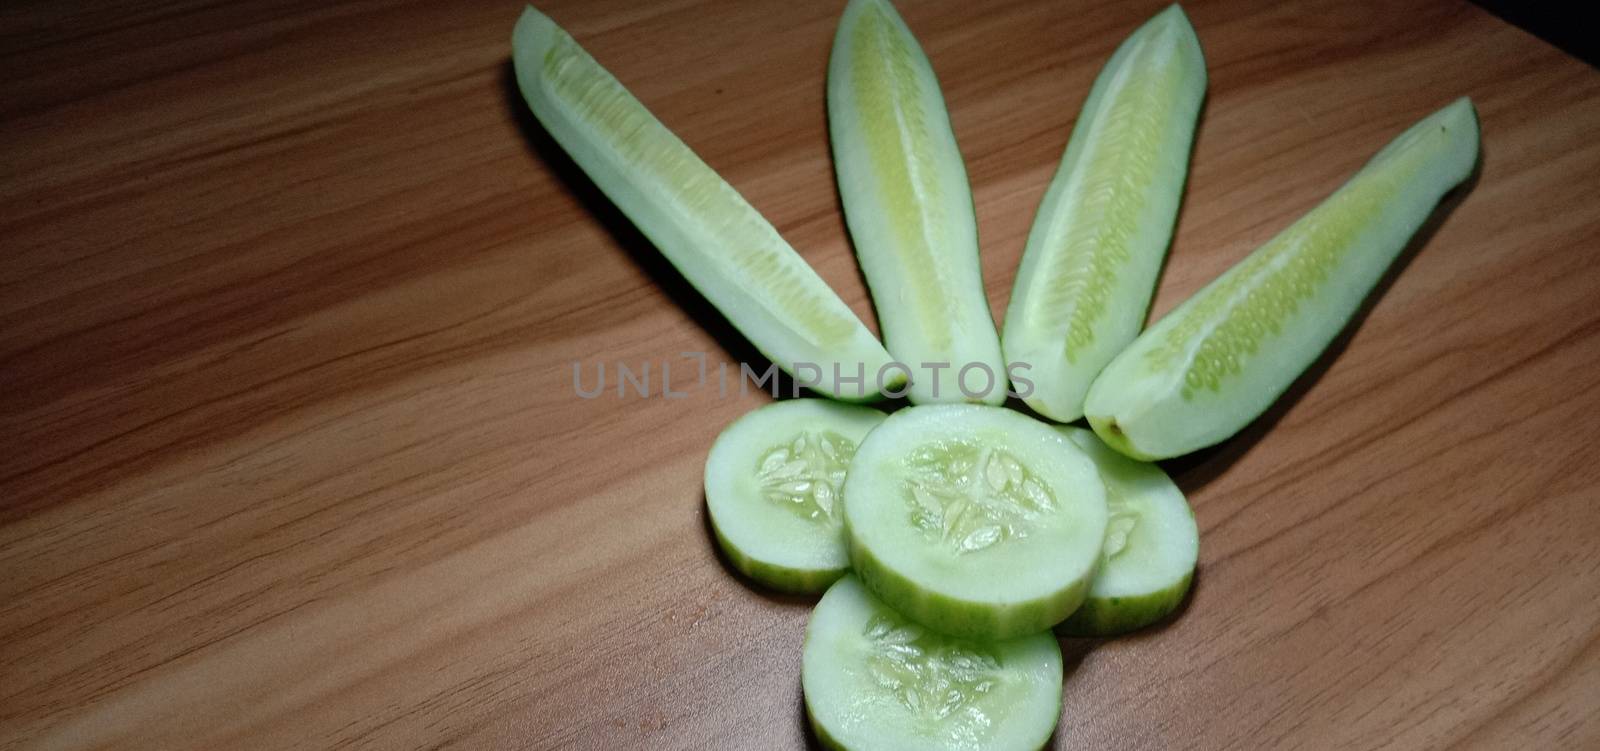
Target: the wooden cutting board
(291, 296)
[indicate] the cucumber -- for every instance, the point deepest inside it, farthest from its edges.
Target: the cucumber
(873, 680)
(976, 521)
(909, 208)
(702, 225)
(1221, 358)
(1090, 266)
(773, 483)
(1151, 546)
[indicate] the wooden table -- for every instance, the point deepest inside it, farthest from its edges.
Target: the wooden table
(291, 294)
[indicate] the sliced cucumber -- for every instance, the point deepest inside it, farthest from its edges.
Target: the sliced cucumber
(976, 521)
(700, 223)
(1222, 357)
(909, 208)
(874, 681)
(1151, 547)
(1095, 249)
(773, 485)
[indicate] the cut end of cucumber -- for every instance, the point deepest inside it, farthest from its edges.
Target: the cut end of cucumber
(975, 521)
(804, 474)
(874, 680)
(774, 481)
(1151, 548)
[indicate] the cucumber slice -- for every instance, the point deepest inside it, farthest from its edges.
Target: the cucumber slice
(976, 521)
(1151, 547)
(1095, 250)
(773, 482)
(873, 681)
(1222, 357)
(699, 222)
(909, 208)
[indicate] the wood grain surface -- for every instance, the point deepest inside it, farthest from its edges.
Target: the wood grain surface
(291, 295)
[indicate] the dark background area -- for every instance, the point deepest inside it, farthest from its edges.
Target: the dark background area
(1559, 23)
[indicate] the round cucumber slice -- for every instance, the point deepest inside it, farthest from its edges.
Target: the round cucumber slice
(909, 208)
(1221, 358)
(773, 483)
(701, 224)
(875, 681)
(1151, 547)
(1090, 266)
(977, 521)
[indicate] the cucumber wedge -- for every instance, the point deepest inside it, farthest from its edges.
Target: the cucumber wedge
(874, 681)
(773, 484)
(1151, 547)
(909, 208)
(976, 521)
(699, 222)
(1095, 250)
(1221, 358)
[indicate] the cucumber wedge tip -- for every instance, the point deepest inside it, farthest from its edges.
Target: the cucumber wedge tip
(1097, 243)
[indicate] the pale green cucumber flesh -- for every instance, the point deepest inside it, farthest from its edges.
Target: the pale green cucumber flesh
(701, 224)
(1151, 548)
(975, 521)
(1098, 240)
(876, 681)
(909, 208)
(773, 483)
(1218, 360)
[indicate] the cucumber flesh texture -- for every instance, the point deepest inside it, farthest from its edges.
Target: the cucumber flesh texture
(909, 207)
(976, 521)
(700, 223)
(1151, 548)
(875, 681)
(773, 483)
(1222, 357)
(1095, 250)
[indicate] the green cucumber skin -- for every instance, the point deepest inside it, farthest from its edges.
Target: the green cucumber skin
(1035, 731)
(832, 744)
(1103, 614)
(961, 602)
(777, 578)
(1112, 616)
(911, 310)
(769, 332)
(1142, 410)
(959, 617)
(1062, 379)
(774, 563)
(823, 737)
